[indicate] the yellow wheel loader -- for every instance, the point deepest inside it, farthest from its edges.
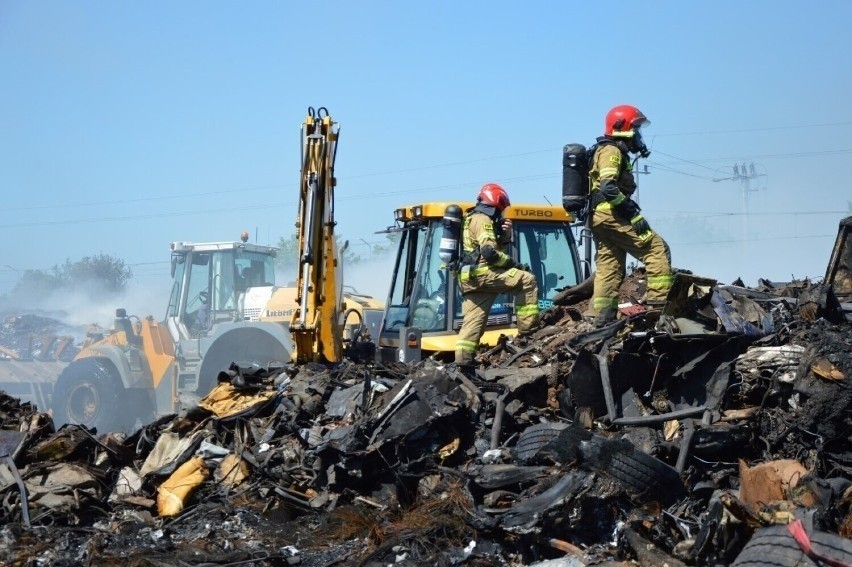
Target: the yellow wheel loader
(145, 368)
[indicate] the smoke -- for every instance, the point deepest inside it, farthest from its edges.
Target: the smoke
(82, 305)
(368, 276)
(372, 275)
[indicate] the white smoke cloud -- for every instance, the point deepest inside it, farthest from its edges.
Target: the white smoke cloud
(91, 304)
(372, 275)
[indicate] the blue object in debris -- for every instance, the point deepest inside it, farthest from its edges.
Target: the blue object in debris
(731, 320)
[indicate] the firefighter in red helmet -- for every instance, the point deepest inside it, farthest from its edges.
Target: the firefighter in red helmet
(618, 226)
(486, 271)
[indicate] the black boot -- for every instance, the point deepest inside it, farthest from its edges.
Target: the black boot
(606, 316)
(528, 332)
(468, 370)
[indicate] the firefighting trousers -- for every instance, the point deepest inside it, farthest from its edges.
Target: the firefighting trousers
(479, 286)
(614, 239)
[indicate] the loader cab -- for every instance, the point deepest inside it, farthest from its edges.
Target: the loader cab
(425, 294)
(211, 284)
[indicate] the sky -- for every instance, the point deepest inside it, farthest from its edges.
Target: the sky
(127, 125)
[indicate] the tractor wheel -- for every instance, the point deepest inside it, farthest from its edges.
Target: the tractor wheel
(87, 393)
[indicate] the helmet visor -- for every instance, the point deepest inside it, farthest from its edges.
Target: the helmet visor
(641, 121)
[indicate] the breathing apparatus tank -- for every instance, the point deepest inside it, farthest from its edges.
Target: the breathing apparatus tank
(449, 249)
(575, 178)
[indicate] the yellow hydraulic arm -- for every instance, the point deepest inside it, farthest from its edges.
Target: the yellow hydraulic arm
(315, 328)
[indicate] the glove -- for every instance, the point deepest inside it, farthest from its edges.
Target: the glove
(627, 209)
(640, 225)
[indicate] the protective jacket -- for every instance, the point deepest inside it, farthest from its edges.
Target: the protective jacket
(483, 239)
(611, 173)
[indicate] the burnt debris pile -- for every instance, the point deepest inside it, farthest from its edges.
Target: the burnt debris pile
(33, 337)
(713, 431)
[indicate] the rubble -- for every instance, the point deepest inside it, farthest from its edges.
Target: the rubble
(30, 337)
(713, 431)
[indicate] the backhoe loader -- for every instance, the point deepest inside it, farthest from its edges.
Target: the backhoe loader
(315, 325)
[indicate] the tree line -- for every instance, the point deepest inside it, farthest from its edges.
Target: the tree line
(99, 273)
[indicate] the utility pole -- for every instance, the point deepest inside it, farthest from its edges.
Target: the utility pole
(636, 173)
(745, 173)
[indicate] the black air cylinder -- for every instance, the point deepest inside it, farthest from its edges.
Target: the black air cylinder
(449, 250)
(575, 178)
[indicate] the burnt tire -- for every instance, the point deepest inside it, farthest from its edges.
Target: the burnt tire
(775, 547)
(534, 438)
(647, 477)
(88, 394)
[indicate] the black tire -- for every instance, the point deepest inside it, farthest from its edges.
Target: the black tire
(645, 476)
(534, 438)
(775, 546)
(88, 393)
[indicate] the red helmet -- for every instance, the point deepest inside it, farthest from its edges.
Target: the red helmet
(623, 120)
(494, 195)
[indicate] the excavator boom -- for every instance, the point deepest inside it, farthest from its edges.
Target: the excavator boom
(314, 327)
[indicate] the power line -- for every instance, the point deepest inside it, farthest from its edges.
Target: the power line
(689, 161)
(448, 164)
(735, 240)
(522, 179)
(463, 162)
(660, 165)
(668, 169)
(765, 129)
(143, 199)
(769, 156)
(477, 160)
(733, 214)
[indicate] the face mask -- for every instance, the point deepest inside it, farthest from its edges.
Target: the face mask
(637, 145)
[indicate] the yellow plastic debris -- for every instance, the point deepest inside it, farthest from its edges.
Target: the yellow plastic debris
(224, 400)
(232, 470)
(174, 493)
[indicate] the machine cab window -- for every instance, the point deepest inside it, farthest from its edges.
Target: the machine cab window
(210, 284)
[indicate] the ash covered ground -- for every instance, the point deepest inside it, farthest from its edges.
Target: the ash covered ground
(713, 431)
